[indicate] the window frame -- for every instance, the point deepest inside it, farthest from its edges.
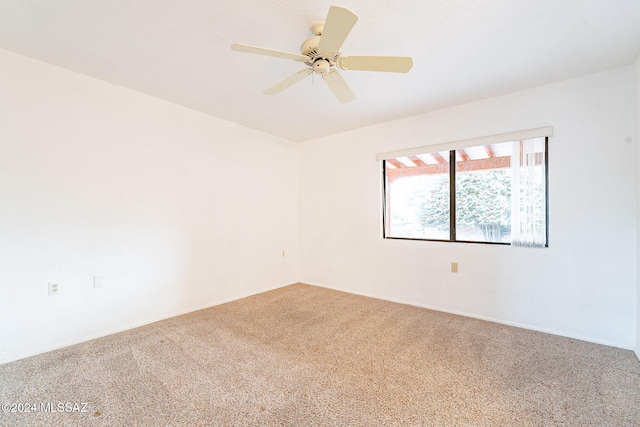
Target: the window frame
(452, 202)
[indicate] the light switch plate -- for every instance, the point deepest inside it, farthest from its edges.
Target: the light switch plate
(97, 281)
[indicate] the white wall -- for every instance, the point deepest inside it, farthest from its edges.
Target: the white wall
(176, 210)
(582, 286)
(637, 69)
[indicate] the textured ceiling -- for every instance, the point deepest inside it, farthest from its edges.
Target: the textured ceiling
(463, 50)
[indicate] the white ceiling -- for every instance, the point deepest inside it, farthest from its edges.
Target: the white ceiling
(463, 50)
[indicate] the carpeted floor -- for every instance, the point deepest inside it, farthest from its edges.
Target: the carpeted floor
(307, 356)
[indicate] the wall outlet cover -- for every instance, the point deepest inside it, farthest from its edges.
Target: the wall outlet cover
(54, 289)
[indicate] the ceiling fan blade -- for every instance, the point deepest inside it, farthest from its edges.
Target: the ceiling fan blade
(339, 87)
(289, 81)
(392, 64)
(268, 52)
(337, 27)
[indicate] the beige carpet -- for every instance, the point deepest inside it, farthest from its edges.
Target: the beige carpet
(307, 356)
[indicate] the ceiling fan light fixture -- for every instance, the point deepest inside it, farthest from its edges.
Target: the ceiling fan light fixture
(321, 66)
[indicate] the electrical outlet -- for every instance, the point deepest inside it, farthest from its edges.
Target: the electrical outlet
(97, 281)
(454, 267)
(282, 253)
(54, 289)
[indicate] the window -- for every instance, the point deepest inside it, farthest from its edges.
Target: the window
(492, 192)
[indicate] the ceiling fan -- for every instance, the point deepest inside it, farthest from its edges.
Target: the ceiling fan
(322, 53)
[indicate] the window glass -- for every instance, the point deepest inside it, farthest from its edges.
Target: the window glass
(483, 194)
(418, 205)
(498, 191)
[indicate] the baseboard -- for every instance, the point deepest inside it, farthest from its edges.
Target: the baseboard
(486, 318)
(139, 324)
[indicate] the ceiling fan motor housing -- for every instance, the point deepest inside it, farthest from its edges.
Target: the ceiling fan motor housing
(310, 48)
